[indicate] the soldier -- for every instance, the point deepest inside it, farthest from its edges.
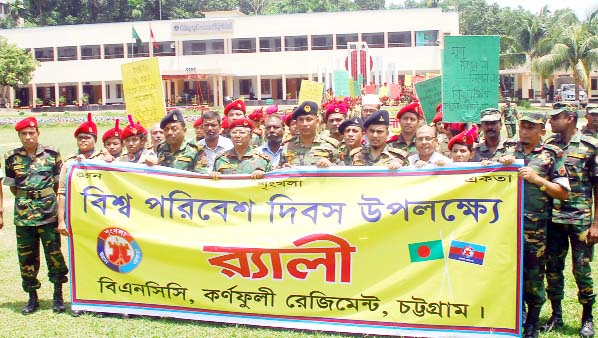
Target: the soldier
(335, 114)
(213, 144)
(378, 152)
(409, 118)
(493, 142)
(199, 133)
(308, 148)
(241, 159)
(176, 152)
(352, 130)
(461, 146)
(572, 221)
(546, 178)
(426, 143)
(509, 113)
(274, 133)
(591, 129)
(134, 137)
(32, 174)
(112, 142)
(442, 138)
(257, 134)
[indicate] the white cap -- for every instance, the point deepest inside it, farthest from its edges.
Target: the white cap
(370, 99)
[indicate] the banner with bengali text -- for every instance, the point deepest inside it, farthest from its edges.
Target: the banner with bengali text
(416, 252)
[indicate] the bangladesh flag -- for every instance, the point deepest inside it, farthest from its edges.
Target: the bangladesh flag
(136, 37)
(426, 251)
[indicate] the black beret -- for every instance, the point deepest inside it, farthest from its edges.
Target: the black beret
(379, 117)
(306, 108)
(356, 121)
(173, 116)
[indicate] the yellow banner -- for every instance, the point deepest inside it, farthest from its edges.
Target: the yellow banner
(311, 91)
(142, 86)
(409, 252)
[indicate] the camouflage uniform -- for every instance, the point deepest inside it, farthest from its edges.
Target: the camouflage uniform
(548, 162)
(295, 153)
(139, 157)
(571, 219)
(256, 139)
(35, 213)
(228, 163)
(482, 152)
(510, 116)
(362, 156)
(401, 143)
(189, 157)
(586, 131)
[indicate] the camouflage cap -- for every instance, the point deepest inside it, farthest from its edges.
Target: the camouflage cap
(566, 109)
(489, 115)
(533, 117)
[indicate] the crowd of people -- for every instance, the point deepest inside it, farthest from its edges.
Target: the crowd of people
(560, 174)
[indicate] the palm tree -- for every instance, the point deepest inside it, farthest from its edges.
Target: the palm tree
(576, 50)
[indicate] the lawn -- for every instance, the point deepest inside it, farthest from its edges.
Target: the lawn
(45, 323)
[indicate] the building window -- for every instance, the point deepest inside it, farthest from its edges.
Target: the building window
(271, 44)
(137, 51)
(342, 39)
(165, 48)
(243, 46)
(399, 39)
(67, 53)
(203, 47)
(374, 40)
(108, 91)
(119, 90)
(266, 88)
(44, 54)
(114, 51)
(246, 88)
(321, 42)
(593, 84)
(295, 43)
(90, 52)
(426, 38)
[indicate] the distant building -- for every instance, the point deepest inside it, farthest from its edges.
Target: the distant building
(3, 8)
(231, 54)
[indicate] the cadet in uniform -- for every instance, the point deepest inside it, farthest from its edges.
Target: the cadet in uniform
(546, 178)
(309, 148)
(241, 159)
(32, 173)
(199, 133)
(510, 115)
(134, 137)
(409, 118)
(335, 114)
(378, 152)
(572, 221)
(112, 142)
(461, 146)
(352, 131)
(176, 152)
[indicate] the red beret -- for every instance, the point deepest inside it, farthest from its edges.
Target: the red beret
(413, 107)
(439, 108)
(244, 122)
(132, 129)
(271, 110)
(26, 123)
(112, 132)
(337, 108)
(197, 122)
(256, 115)
(287, 119)
(437, 117)
(237, 105)
(225, 124)
(88, 127)
(466, 137)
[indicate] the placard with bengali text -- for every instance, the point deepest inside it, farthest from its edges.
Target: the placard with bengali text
(311, 91)
(429, 93)
(142, 86)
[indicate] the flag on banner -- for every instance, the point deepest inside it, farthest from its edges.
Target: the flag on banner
(153, 38)
(425, 251)
(467, 252)
(136, 37)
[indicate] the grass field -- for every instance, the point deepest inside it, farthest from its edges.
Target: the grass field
(45, 323)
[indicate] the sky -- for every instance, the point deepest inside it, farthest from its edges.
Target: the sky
(581, 7)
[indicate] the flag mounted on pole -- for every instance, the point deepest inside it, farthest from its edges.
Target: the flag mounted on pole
(136, 38)
(153, 39)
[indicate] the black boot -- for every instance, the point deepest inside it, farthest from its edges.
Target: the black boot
(555, 321)
(530, 330)
(587, 322)
(32, 304)
(58, 301)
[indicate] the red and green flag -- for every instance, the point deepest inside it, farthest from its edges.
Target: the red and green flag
(426, 251)
(136, 38)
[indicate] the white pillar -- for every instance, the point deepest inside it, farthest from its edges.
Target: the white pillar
(33, 94)
(215, 89)
(103, 84)
(56, 94)
(80, 93)
(259, 86)
(284, 86)
(220, 92)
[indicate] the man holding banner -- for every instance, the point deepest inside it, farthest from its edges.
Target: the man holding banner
(409, 118)
(546, 178)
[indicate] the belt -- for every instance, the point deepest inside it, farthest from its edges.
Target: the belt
(34, 194)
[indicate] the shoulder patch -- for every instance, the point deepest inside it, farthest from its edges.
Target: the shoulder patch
(9, 153)
(264, 156)
(590, 140)
(398, 151)
(354, 151)
(331, 140)
(558, 152)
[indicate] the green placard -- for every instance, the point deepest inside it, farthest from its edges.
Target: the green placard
(341, 83)
(469, 77)
(429, 93)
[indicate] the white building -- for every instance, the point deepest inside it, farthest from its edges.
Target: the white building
(230, 54)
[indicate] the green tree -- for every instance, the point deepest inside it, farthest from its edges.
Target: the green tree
(575, 50)
(16, 66)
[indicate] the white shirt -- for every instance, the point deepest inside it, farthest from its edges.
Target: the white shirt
(224, 144)
(436, 156)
